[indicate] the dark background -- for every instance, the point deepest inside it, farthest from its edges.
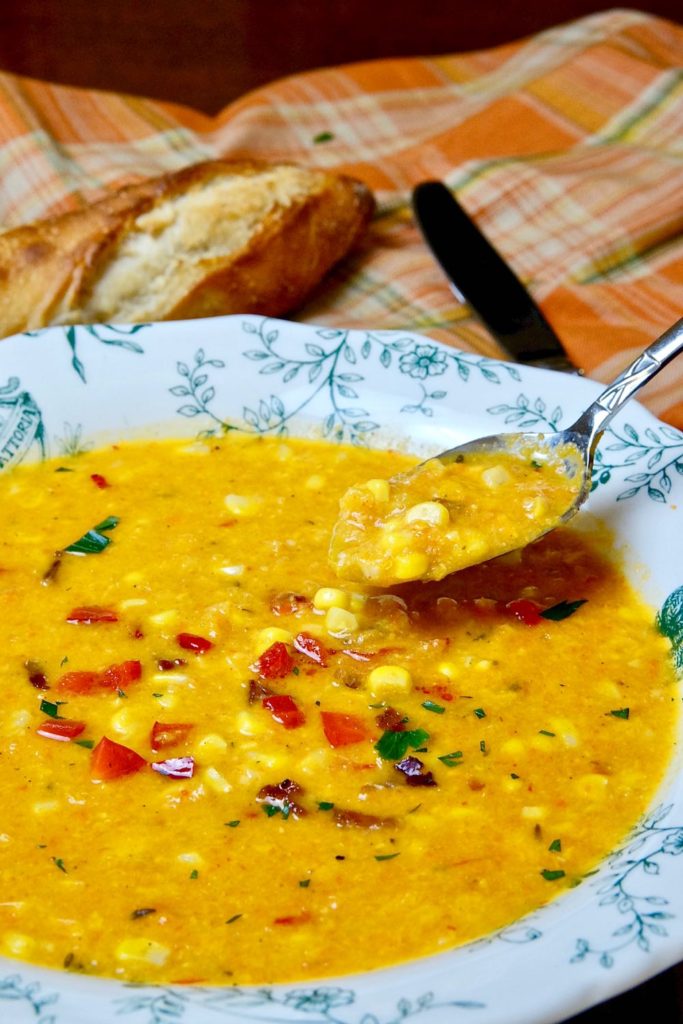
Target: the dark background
(205, 53)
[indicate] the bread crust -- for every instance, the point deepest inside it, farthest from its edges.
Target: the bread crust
(53, 271)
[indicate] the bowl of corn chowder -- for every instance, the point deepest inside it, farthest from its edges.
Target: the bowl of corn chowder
(236, 782)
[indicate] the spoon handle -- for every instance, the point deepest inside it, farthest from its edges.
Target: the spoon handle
(597, 416)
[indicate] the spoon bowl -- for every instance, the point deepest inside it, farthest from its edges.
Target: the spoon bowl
(437, 519)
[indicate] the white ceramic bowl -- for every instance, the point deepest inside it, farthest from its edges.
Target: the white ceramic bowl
(67, 388)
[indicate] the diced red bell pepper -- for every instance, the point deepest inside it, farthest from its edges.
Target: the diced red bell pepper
(61, 729)
(284, 710)
(99, 481)
(79, 682)
(112, 760)
(92, 613)
(116, 677)
(169, 734)
(526, 611)
(293, 918)
(275, 663)
(192, 642)
(306, 644)
(341, 730)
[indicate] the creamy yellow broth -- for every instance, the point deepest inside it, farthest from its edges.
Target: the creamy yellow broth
(444, 516)
(291, 845)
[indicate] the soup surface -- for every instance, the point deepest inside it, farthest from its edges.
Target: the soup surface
(221, 764)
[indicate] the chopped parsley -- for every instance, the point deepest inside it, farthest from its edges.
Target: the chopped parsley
(194, 874)
(325, 805)
(482, 747)
(304, 883)
(88, 744)
(552, 876)
(235, 917)
(561, 611)
(94, 541)
(233, 824)
(479, 712)
(386, 856)
(620, 712)
(556, 846)
(452, 760)
(544, 732)
(430, 705)
(51, 708)
(323, 137)
(59, 863)
(393, 746)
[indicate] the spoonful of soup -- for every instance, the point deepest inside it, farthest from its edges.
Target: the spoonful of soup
(484, 498)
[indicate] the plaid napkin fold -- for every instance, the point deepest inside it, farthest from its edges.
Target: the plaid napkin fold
(567, 147)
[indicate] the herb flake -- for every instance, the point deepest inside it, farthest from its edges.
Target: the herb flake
(386, 856)
(562, 610)
(620, 713)
(430, 705)
(452, 760)
(393, 746)
(552, 876)
(94, 541)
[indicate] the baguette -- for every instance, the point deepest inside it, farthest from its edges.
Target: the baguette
(214, 238)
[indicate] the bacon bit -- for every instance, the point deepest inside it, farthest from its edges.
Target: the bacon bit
(257, 691)
(350, 679)
(36, 676)
(175, 767)
(136, 633)
(281, 796)
(169, 734)
(526, 611)
(284, 710)
(293, 919)
(341, 730)
(274, 663)
(116, 677)
(476, 785)
(413, 769)
(63, 729)
(227, 523)
(100, 481)
(112, 761)
(168, 664)
(92, 613)
(306, 644)
(391, 720)
(289, 604)
(356, 819)
(192, 642)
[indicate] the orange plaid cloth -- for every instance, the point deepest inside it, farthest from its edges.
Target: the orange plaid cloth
(566, 147)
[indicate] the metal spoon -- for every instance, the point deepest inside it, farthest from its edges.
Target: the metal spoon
(581, 439)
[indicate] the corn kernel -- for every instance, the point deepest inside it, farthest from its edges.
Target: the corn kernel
(316, 482)
(212, 745)
(19, 720)
(512, 748)
(533, 813)
(249, 724)
(316, 763)
(539, 508)
(123, 721)
(167, 700)
(495, 476)
(411, 566)
(46, 806)
(133, 602)
(483, 665)
(432, 512)
(395, 540)
(192, 857)
(164, 618)
(511, 785)
(272, 635)
(447, 669)
(242, 505)
(379, 489)
(357, 602)
(592, 786)
(142, 950)
(389, 679)
(340, 622)
(544, 743)
(330, 597)
(217, 782)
